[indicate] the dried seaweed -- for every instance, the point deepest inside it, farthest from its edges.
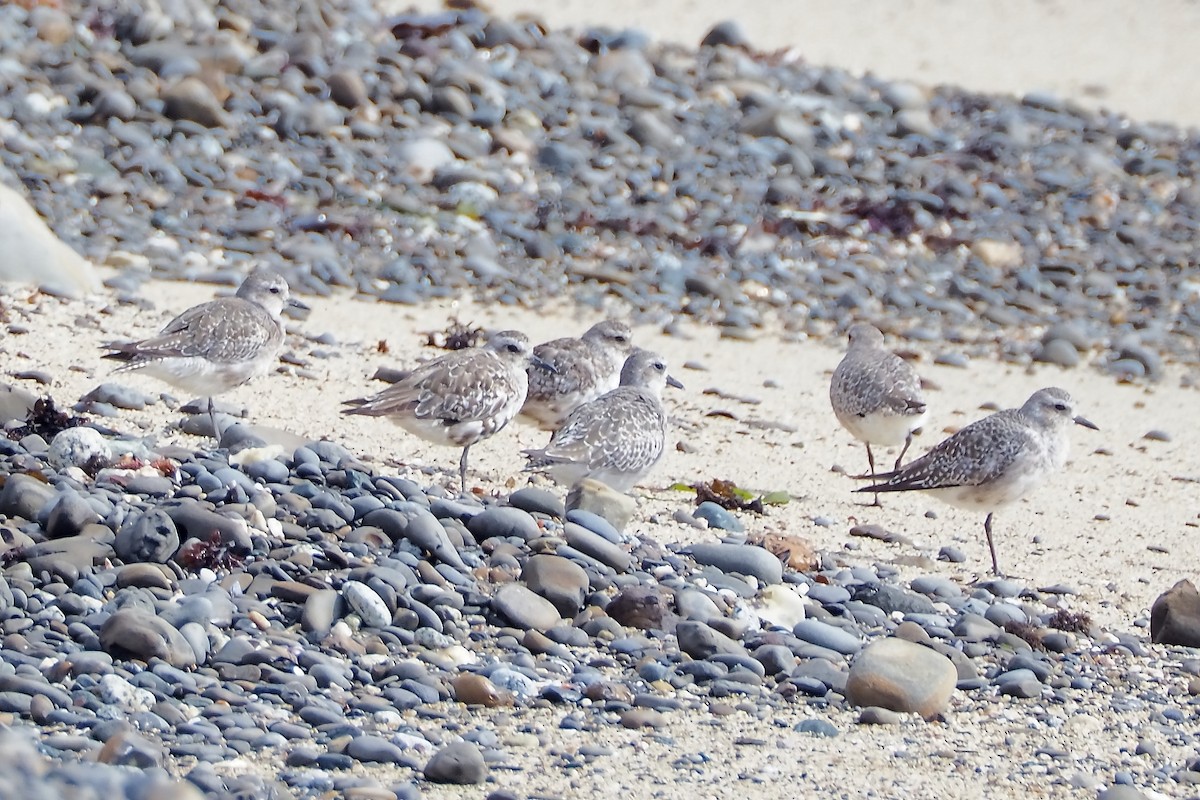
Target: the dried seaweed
(457, 336)
(45, 420)
(727, 495)
(212, 552)
(1071, 621)
(1027, 632)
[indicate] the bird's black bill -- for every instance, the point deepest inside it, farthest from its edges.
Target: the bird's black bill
(1086, 423)
(674, 382)
(542, 363)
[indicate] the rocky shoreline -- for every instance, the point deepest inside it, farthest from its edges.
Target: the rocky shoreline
(420, 156)
(290, 621)
(284, 617)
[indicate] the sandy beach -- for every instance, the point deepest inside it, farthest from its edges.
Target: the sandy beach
(755, 412)
(1117, 526)
(1105, 537)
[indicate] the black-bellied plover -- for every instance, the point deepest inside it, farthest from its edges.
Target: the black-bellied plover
(616, 438)
(215, 346)
(994, 461)
(460, 398)
(876, 395)
(584, 369)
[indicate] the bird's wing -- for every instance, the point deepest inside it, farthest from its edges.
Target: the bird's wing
(977, 454)
(569, 360)
(460, 386)
(623, 425)
(228, 330)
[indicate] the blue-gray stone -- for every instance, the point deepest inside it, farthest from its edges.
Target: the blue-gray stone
(718, 517)
(503, 522)
(828, 594)
(594, 523)
(828, 636)
(538, 501)
(816, 727)
(148, 537)
(743, 559)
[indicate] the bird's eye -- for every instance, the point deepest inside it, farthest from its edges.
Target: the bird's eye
(1060, 406)
(275, 290)
(513, 347)
(661, 367)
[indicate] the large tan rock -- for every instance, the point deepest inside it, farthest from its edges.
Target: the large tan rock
(33, 255)
(901, 676)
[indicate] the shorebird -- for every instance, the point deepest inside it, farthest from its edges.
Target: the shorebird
(995, 461)
(584, 369)
(616, 438)
(876, 395)
(460, 398)
(216, 346)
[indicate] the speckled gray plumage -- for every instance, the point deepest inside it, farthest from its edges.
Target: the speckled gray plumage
(581, 370)
(994, 461)
(875, 394)
(215, 346)
(616, 438)
(459, 398)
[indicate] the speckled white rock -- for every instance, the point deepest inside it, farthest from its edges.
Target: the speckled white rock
(117, 691)
(367, 604)
(780, 605)
(79, 447)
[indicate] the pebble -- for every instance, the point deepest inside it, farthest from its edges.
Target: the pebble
(459, 763)
(901, 676)
(740, 559)
(1175, 616)
(525, 609)
(149, 536)
(874, 715)
(367, 603)
(559, 580)
(828, 636)
(503, 522)
(717, 517)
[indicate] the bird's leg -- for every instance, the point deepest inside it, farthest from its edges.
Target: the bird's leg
(987, 529)
(212, 419)
(871, 462)
(462, 468)
(903, 450)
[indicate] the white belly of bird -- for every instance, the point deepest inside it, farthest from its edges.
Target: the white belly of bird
(436, 431)
(1021, 478)
(571, 474)
(203, 377)
(889, 430)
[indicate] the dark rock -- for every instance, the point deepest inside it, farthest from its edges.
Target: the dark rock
(458, 763)
(149, 536)
(1175, 616)
(503, 522)
(137, 634)
(743, 559)
(644, 607)
(561, 581)
(69, 515)
(700, 641)
(24, 496)
(524, 609)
